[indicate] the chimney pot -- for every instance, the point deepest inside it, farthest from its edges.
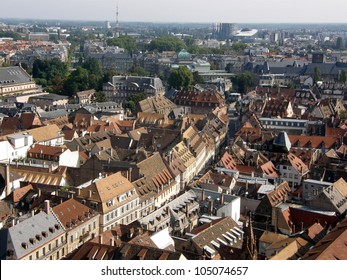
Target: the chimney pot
(47, 206)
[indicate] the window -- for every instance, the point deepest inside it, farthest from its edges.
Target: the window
(44, 250)
(37, 254)
(71, 238)
(94, 225)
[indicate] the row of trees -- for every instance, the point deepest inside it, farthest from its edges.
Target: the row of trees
(172, 43)
(54, 76)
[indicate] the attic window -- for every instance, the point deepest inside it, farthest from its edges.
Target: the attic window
(25, 245)
(44, 234)
(38, 237)
(32, 240)
(57, 226)
(52, 229)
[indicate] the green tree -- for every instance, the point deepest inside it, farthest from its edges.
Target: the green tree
(138, 71)
(229, 67)
(238, 47)
(343, 76)
(93, 66)
(99, 97)
(130, 105)
(181, 78)
(243, 82)
(125, 42)
(166, 43)
(197, 79)
(316, 75)
(77, 81)
(49, 70)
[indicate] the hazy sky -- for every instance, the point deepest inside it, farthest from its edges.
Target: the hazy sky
(239, 11)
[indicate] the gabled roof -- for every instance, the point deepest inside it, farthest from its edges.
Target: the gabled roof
(227, 161)
(297, 164)
(271, 237)
(47, 150)
(279, 194)
(18, 194)
(107, 188)
(72, 214)
(315, 142)
(45, 133)
(331, 247)
(32, 233)
(155, 171)
(210, 236)
(290, 248)
(270, 170)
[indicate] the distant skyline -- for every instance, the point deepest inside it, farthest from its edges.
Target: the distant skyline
(199, 11)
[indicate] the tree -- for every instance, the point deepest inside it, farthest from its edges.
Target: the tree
(166, 43)
(343, 76)
(125, 42)
(316, 75)
(238, 47)
(99, 97)
(197, 79)
(49, 70)
(93, 66)
(243, 81)
(138, 71)
(181, 78)
(77, 81)
(229, 67)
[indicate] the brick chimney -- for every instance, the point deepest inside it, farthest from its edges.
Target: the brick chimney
(203, 195)
(47, 206)
(210, 207)
(222, 198)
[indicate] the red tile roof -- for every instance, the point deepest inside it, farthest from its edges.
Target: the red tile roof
(228, 162)
(46, 150)
(18, 194)
(316, 142)
(331, 247)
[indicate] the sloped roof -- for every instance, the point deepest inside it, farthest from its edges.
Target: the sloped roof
(290, 248)
(18, 194)
(316, 142)
(23, 232)
(107, 188)
(270, 170)
(297, 164)
(279, 194)
(72, 213)
(211, 235)
(331, 247)
(45, 133)
(227, 161)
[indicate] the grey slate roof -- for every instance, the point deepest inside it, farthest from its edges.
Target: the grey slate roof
(29, 228)
(13, 75)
